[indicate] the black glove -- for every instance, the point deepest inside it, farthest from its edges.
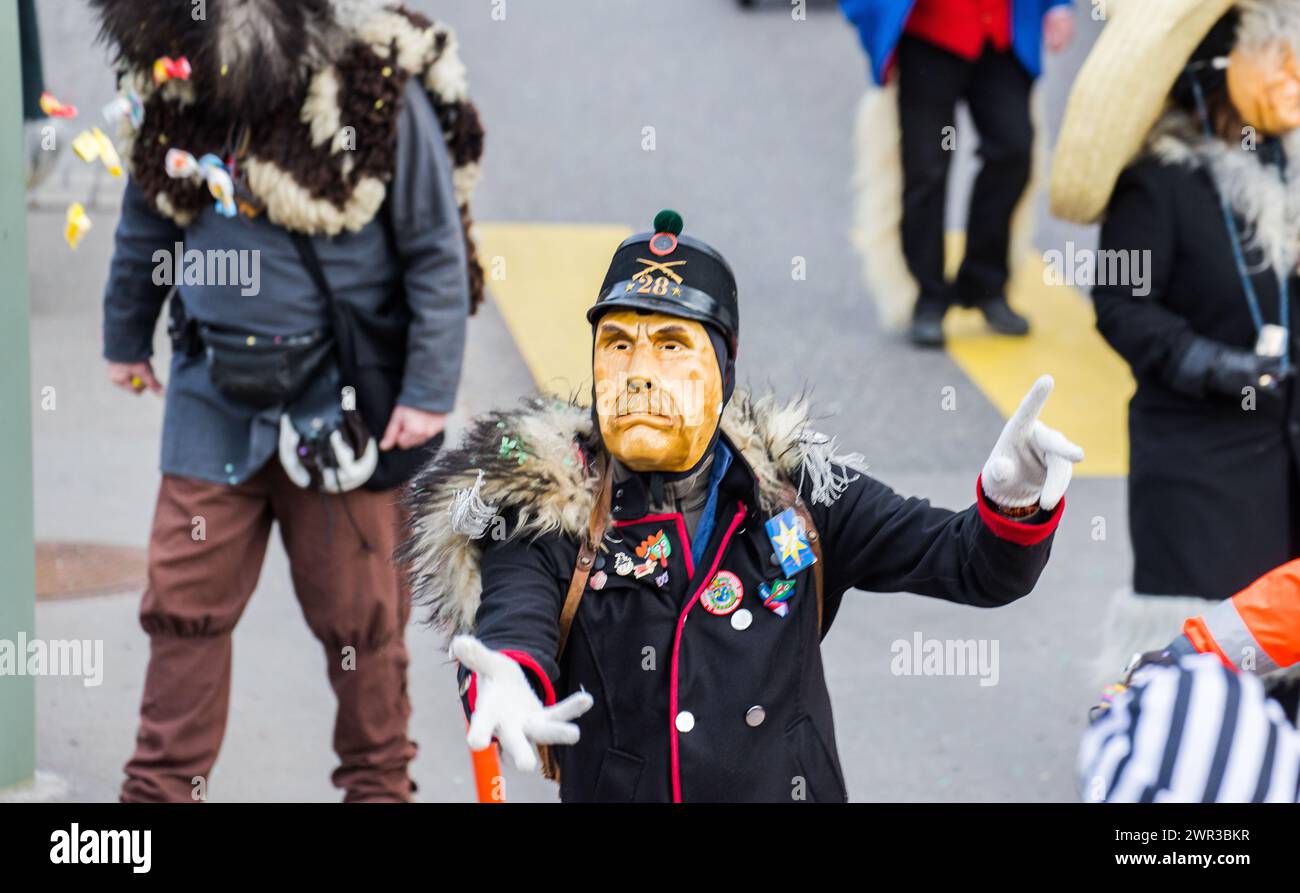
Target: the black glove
(1208, 367)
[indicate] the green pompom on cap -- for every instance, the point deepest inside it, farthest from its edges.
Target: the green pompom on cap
(668, 221)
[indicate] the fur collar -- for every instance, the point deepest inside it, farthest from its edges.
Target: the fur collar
(1268, 207)
(534, 463)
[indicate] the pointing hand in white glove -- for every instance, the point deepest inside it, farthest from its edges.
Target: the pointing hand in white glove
(507, 707)
(1031, 462)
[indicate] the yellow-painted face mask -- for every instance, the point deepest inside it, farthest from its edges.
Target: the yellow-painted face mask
(1265, 89)
(658, 389)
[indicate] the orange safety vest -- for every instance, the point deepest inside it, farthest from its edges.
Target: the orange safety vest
(1258, 629)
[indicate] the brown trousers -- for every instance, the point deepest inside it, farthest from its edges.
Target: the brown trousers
(352, 595)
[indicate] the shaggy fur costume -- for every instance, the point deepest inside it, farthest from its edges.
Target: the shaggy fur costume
(546, 484)
(285, 86)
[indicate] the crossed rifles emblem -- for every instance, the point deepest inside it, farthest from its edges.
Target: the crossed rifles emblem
(657, 284)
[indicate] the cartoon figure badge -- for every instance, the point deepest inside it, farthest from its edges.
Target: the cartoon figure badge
(775, 595)
(622, 564)
(790, 541)
(657, 547)
(723, 594)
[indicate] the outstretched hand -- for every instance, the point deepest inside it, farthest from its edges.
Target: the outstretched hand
(1031, 463)
(507, 708)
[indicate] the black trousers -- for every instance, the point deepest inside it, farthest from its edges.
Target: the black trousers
(996, 88)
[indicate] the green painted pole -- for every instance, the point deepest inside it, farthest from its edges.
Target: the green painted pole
(17, 562)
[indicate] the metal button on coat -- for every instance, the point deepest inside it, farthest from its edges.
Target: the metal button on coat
(685, 721)
(741, 619)
(754, 716)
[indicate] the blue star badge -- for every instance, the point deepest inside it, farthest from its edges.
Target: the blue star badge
(790, 541)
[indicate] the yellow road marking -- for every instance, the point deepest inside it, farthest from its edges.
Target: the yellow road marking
(1093, 385)
(543, 277)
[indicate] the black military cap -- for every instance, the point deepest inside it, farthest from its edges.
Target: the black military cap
(667, 272)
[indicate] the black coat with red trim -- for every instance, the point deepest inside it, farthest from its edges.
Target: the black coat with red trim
(690, 705)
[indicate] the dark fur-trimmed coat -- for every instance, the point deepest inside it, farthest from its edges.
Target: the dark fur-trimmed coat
(689, 705)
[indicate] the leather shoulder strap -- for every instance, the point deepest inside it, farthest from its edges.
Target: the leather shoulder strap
(586, 554)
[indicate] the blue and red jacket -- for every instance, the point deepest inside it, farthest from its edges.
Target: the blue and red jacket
(963, 26)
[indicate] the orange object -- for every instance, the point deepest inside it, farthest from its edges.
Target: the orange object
(488, 781)
(1258, 629)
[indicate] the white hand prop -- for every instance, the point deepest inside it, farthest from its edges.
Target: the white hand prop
(507, 707)
(1031, 463)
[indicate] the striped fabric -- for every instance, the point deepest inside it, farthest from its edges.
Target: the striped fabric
(1191, 732)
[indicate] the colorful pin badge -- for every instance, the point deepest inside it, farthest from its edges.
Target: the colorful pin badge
(644, 570)
(622, 564)
(662, 580)
(662, 244)
(597, 580)
(723, 594)
(56, 109)
(775, 595)
(657, 547)
(165, 68)
(790, 541)
(78, 224)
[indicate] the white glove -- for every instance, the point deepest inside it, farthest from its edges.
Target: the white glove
(1031, 463)
(507, 707)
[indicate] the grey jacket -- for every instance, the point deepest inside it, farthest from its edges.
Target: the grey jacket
(414, 243)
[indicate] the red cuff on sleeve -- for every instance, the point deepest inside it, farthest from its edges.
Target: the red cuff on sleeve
(1011, 529)
(525, 660)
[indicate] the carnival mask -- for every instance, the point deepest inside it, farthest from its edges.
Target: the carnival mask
(658, 389)
(1264, 87)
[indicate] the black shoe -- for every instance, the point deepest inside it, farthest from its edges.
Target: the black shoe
(927, 327)
(1002, 319)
